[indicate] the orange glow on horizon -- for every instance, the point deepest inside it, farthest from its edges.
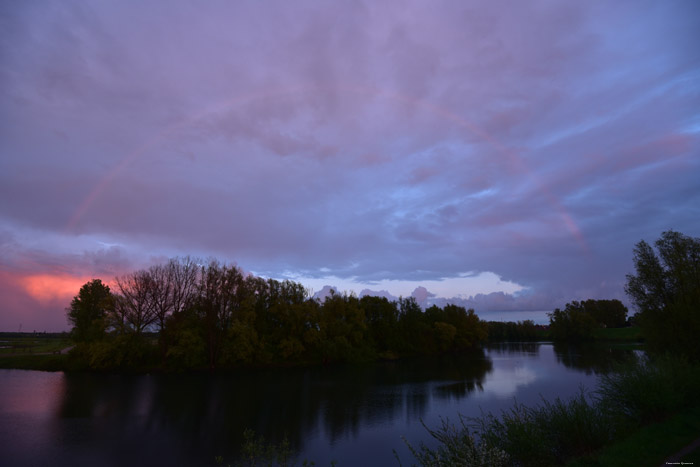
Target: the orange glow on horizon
(49, 287)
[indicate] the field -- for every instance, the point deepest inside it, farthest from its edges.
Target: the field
(29, 343)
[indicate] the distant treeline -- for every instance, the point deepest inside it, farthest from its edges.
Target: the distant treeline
(185, 315)
(515, 331)
(42, 335)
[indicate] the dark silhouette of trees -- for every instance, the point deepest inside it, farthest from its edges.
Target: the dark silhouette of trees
(88, 311)
(215, 304)
(578, 320)
(512, 331)
(216, 316)
(161, 293)
(606, 313)
(666, 291)
(571, 324)
(382, 318)
(134, 306)
(182, 274)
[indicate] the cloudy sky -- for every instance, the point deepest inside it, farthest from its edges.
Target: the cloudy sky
(501, 153)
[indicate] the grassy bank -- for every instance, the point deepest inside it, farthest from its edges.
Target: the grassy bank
(650, 445)
(25, 343)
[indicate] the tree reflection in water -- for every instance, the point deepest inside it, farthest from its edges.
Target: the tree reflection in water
(202, 413)
(594, 358)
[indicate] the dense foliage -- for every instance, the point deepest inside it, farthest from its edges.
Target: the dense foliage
(183, 315)
(88, 311)
(578, 320)
(666, 290)
(513, 331)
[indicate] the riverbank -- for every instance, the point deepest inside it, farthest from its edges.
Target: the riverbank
(653, 444)
(44, 352)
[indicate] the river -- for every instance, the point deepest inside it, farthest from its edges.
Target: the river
(355, 415)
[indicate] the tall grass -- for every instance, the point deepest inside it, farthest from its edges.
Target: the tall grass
(649, 390)
(457, 448)
(551, 433)
(546, 434)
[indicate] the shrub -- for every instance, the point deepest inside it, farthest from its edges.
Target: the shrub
(458, 448)
(649, 390)
(547, 434)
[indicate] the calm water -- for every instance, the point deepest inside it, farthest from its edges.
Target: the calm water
(355, 415)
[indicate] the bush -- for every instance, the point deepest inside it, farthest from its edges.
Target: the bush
(649, 390)
(458, 448)
(547, 434)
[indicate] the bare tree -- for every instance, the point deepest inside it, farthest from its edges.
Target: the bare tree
(135, 310)
(161, 292)
(183, 274)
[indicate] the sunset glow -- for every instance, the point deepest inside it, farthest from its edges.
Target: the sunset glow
(47, 288)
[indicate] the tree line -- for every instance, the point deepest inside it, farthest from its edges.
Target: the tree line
(579, 319)
(188, 315)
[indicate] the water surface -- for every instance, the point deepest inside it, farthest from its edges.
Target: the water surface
(355, 415)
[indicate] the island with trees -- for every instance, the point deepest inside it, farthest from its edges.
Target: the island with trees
(185, 315)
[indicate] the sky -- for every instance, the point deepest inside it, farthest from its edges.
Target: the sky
(503, 155)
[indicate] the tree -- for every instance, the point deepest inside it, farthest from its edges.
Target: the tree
(88, 311)
(607, 313)
(134, 310)
(666, 291)
(572, 323)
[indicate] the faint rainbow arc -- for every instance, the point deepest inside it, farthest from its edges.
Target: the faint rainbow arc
(151, 142)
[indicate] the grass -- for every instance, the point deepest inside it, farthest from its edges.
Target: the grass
(628, 334)
(650, 445)
(31, 343)
(34, 351)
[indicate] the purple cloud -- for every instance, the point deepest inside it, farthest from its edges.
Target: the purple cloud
(366, 141)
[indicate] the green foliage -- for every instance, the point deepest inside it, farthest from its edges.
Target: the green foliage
(650, 390)
(606, 313)
(382, 318)
(126, 352)
(626, 334)
(650, 445)
(512, 331)
(666, 290)
(216, 316)
(458, 448)
(34, 343)
(88, 311)
(256, 451)
(580, 320)
(546, 434)
(572, 324)
(183, 338)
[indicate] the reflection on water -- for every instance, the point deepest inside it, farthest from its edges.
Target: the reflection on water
(353, 414)
(593, 358)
